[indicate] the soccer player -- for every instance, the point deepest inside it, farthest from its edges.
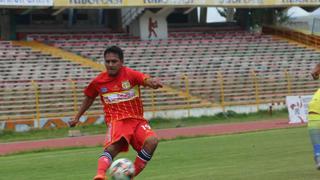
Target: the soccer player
(119, 91)
(314, 119)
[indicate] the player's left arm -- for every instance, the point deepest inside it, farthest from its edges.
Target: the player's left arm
(154, 83)
(144, 79)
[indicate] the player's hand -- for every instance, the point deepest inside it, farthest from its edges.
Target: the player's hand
(73, 123)
(315, 75)
(315, 72)
(155, 83)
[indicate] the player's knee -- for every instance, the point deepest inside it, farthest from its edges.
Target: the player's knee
(115, 148)
(153, 140)
(151, 143)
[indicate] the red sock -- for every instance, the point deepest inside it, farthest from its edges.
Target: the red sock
(139, 165)
(103, 164)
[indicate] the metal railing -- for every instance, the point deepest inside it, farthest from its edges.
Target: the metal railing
(60, 99)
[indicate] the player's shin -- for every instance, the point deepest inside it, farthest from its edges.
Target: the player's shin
(314, 132)
(104, 163)
(316, 150)
(141, 161)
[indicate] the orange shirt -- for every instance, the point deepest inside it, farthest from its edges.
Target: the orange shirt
(120, 95)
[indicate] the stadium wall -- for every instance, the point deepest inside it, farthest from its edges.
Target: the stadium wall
(48, 123)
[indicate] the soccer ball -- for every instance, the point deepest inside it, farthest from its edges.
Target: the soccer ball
(121, 169)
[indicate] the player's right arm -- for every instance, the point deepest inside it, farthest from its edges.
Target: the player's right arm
(87, 102)
(90, 93)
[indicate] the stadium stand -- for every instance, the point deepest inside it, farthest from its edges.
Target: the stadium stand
(254, 67)
(24, 70)
(35, 83)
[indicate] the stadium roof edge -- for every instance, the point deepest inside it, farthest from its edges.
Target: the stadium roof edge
(117, 4)
(182, 6)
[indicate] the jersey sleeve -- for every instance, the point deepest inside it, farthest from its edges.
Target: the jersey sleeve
(91, 90)
(138, 77)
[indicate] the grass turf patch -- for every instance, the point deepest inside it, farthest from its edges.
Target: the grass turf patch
(273, 154)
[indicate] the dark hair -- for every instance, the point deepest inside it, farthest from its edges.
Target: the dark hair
(115, 50)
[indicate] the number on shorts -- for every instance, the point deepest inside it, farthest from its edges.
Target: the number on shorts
(146, 127)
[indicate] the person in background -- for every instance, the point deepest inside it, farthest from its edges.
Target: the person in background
(151, 27)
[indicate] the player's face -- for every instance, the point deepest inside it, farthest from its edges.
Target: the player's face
(112, 63)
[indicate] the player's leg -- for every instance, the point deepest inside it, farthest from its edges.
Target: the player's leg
(150, 33)
(155, 34)
(145, 143)
(117, 138)
(314, 132)
(145, 154)
(107, 156)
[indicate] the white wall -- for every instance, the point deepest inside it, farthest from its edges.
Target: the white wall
(197, 112)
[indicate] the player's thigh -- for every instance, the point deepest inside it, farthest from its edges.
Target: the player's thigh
(142, 132)
(119, 134)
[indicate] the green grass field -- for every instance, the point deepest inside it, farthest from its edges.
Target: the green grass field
(284, 154)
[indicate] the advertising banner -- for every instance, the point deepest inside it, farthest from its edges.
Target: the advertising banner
(297, 2)
(26, 3)
(91, 3)
(298, 108)
(183, 3)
